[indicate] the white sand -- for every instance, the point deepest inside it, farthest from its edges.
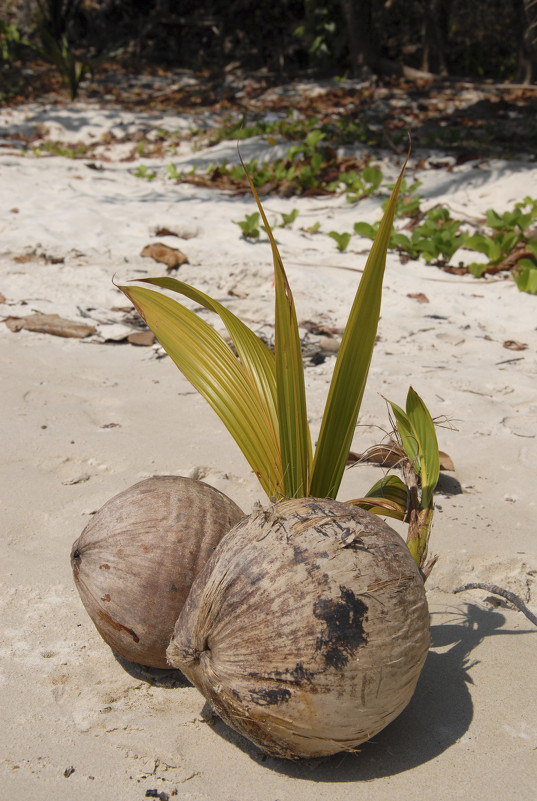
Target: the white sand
(470, 731)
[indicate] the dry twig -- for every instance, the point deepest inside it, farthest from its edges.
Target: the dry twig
(509, 596)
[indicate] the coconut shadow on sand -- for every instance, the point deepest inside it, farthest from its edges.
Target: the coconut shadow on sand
(439, 713)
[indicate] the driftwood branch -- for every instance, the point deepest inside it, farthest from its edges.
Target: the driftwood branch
(509, 596)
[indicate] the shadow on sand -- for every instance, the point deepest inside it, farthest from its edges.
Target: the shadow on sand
(439, 713)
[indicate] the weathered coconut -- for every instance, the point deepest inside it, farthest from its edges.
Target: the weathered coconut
(307, 629)
(135, 562)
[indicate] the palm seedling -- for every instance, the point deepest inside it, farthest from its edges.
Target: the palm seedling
(308, 627)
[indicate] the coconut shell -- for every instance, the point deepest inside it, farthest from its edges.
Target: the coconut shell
(135, 561)
(307, 629)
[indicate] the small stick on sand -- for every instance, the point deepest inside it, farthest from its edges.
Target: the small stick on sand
(509, 596)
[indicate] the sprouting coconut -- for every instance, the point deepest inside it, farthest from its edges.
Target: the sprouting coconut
(307, 629)
(135, 561)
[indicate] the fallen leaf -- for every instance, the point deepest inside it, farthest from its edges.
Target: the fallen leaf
(145, 338)
(50, 324)
(171, 257)
(24, 258)
(319, 328)
(446, 462)
(391, 455)
(419, 296)
(512, 344)
(165, 232)
(386, 455)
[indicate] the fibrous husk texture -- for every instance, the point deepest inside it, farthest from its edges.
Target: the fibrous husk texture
(135, 562)
(307, 629)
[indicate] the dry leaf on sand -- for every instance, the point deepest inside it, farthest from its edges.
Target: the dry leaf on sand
(171, 257)
(419, 296)
(141, 338)
(391, 455)
(50, 324)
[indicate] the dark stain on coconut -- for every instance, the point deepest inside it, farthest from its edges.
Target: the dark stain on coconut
(301, 674)
(299, 555)
(344, 631)
(270, 697)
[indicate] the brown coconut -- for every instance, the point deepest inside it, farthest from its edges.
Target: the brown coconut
(135, 561)
(307, 629)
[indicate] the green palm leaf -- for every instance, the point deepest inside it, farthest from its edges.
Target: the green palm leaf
(352, 365)
(408, 437)
(295, 438)
(205, 359)
(257, 358)
(425, 434)
(418, 437)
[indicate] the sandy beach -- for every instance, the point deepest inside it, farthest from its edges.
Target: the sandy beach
(84, 418)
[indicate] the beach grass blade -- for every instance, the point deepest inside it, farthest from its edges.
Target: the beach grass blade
(352, 365)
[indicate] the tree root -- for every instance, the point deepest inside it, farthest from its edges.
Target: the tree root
(509, 596)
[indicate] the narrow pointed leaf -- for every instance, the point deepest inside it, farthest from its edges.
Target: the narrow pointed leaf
(352, 365)
(425, 434)
(295, 438)
(208, 363)
(408, 437)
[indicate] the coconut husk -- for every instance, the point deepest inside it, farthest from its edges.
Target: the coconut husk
(307, 629)
(135, 561)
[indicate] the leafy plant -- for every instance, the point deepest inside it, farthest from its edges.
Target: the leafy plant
(525, 275)
(360, 184)
(408, 201)
(173, 173)
(143, 171)
(249, 226)
(309, 166)
(435, 240)
(508, 231)
(341, 240)
(509, 243)
(260, 396)
(288, 219)
(55, 148)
